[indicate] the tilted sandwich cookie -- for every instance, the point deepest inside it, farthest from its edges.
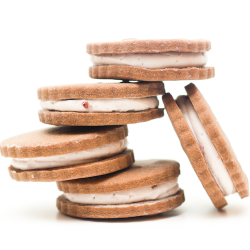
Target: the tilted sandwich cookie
(150, 60)
(65, 153)
(146, 188)
(206, 146)
(100, 104)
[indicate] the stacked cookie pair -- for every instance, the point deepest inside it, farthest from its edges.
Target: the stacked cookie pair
(87, 155)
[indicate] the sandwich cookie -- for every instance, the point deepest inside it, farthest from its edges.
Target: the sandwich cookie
(206, 146)
(100, 104)
(146, 188)
(150, 60)
(66, 153)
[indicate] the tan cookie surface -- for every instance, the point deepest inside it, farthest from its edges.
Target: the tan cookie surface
(98, 119)
(219, 140)
(120, 211)
(101, 167)
(143, 74)
(148, 46)
(140, 174)
(101, 91)
(192, 150)
(61, 140)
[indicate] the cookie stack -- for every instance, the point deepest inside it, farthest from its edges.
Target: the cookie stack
(86, 152)
(91, 142)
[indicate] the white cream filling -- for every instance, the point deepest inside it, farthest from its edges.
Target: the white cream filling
(211, 156)
(154, 61)
(155, 192)
(71, 158)
(102, 105)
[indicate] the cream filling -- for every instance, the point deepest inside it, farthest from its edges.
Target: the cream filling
(211, 156)
(154, 61)
(155, 192)
(70, 159)
(102, 105)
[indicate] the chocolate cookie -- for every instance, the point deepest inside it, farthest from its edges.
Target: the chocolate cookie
(100, 104)
(145, 188)
(206, 146)
(150, 60)
(65, 153)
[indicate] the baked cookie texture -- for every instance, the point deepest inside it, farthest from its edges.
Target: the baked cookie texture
(134, 46)
(219, 139)
(102, 167)
(65, 140)
(128, 46)
(140, 174)
(61, 140)
(142, 74)
(143, 208)
(101, 91)
(98, 119)
(192, 150)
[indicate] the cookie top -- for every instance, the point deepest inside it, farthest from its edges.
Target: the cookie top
(148, 46)
(101, 91)
(219, 140)
(140, 174)
(60, 140)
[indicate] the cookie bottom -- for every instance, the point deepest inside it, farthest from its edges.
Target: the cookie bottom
(142, 74)
(98, 119)
(143, 208)
(106, 166)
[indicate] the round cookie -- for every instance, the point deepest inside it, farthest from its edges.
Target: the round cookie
(143, 74)
(199, 153)
(150, 60)
(144, 208)
(102, 167)
(135, 46)
(101, 91)
(155, 179)
(53, 154)
(100, 104)
(98, 119)
(219, 140)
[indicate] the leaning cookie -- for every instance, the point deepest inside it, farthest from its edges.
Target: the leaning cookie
(206, 146)
(100, 104)
(150, 60)
(66, 153)
(146, 188)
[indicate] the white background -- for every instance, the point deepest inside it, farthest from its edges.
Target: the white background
(44, 43)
